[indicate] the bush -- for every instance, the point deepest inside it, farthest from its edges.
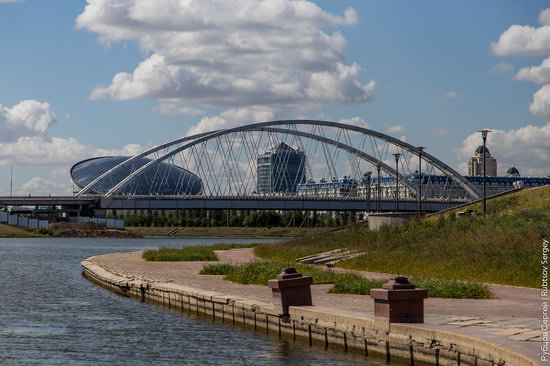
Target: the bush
(217, 269)
(259, 272)
(349, 283)
(452, 289)
(181, 254)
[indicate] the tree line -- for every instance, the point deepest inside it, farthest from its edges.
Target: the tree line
(235, 218)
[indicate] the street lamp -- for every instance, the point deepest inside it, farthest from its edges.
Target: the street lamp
(378, 167)
(484, 134)
(420, 150)
(397, 155)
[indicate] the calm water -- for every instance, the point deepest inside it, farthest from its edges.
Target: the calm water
(51, 315)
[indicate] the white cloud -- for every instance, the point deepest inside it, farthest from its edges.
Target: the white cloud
(527, 148)
(278, 54)
(395, 130)
(24, 139)
(27, 118)
(536, 74)
(544, 17)
(524, 39)
(540, 105)
(10, 1)
(231, 118)
(355, 121)
(55, 151)
(169, 107)
(451, 95)
(40, 186)
(502, 68)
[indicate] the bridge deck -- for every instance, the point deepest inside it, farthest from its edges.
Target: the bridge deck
(225, 203)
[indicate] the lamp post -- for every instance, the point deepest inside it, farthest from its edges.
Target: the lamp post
(397, 155)
(378, 167)
(420, 150)
(484, 134)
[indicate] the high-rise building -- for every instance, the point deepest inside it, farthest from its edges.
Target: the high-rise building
(475, 164)
(281, 169)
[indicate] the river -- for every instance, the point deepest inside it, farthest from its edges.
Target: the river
(51, 315)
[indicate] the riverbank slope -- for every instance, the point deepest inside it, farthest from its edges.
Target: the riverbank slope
(503, 247)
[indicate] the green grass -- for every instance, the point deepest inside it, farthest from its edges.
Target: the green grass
(7, 231)
(259, 272)
(504, 247)
(190, 254)
(452, 289)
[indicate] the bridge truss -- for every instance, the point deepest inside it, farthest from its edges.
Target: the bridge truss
(271, 159)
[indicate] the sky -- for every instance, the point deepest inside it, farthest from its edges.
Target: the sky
(80, 79)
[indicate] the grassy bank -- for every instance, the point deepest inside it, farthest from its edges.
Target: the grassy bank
(504, 247)
(260, 272)
(7, 231)
(229, 231)
(189, 254)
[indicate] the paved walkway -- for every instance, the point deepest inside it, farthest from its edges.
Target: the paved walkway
(511, 319)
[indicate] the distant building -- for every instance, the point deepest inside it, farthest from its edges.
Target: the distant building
(434, 186)
(475, 164)
(512, 172)
(280, 170)
(175, 181)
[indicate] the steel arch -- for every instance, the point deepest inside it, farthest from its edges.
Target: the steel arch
(197, 139)
(131, 159)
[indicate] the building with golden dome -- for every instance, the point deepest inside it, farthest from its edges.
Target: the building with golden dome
(475, 164)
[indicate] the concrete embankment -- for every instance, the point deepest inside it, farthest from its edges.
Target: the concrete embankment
(324, 326)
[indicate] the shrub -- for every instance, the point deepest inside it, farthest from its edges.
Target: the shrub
(180, 254)
(452, 289)
(217, 269)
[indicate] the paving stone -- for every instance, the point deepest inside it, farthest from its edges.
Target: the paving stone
(470, 322)
(527, 335)
(507, 332)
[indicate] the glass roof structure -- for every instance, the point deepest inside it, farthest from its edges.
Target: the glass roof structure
(165, 179)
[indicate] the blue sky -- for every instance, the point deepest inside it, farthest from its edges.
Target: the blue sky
(438, 80)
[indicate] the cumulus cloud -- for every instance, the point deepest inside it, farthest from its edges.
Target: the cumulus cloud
(502, 68)
(526, 40)
(536, 74)
(169, 107)
(540, 105)
(247, 54)
(355, 121)
(55, 151)
(231, 118)
(544, 17)
(27, 118)
(24, 139)
(526, 148)
(395, 130)
(39, 185)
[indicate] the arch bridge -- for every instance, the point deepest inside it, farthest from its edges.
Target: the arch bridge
(287, 164)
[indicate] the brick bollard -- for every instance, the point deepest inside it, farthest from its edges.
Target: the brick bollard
(291, 289)
(399, 301)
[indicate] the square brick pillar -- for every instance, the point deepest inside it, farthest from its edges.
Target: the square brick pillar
(291, 289)
(399, 301)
